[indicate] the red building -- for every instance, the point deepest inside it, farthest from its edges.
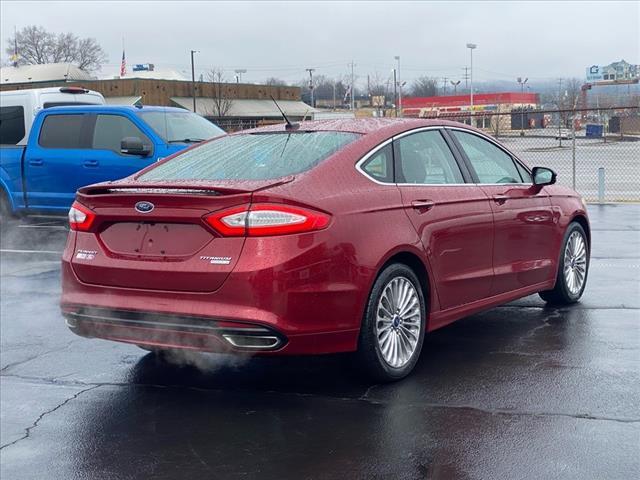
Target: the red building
(453, 105)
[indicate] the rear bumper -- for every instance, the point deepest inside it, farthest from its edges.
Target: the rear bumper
(163, 331)
(308, 291)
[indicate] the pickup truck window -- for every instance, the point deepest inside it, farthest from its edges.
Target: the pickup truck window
(62, 131)
(109, 131)
(181, 127)
(11, 125)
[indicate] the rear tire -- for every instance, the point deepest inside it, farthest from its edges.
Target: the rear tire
(573, 268)
(6, 214)
(393, 326)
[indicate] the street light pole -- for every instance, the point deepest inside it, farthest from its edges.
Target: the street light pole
(352, 86)
(471, 47)
(455, 86)
(522, 82)
(395, 92)
(193, 80)
(397, 57)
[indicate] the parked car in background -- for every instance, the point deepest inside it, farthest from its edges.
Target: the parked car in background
(330, 236)
(18, 108)
(563, 134)
(73, 146)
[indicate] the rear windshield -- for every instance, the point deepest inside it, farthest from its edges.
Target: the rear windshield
(252, 156)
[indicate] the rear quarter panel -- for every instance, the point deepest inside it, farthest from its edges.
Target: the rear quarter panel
(11, 174)
(368, 226)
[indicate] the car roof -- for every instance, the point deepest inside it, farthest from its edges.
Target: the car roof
(115, 108)
(364, 126)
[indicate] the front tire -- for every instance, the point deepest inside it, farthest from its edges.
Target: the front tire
(572, 269)
(393, 326)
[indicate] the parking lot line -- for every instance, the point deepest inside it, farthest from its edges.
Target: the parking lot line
(8, 250)
(52, 227)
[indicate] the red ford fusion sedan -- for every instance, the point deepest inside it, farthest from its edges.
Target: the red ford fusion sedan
(333, 236)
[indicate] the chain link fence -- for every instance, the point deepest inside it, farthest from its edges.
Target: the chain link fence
(596, 151)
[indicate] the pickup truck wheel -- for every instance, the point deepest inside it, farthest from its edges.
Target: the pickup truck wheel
(6, 214)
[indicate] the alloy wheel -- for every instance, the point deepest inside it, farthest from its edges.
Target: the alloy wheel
(575, 262)
(398, 321)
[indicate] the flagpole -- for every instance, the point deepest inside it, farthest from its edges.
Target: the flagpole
(15, 46)
(123, 64)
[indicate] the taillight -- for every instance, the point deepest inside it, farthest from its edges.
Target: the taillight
(266, 219)
(80, 217)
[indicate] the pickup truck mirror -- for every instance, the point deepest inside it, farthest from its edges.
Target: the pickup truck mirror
(134, 146)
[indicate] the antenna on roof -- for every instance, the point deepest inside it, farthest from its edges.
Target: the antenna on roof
(289, 126)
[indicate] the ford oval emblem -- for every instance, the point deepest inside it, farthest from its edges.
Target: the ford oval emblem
(144, 207)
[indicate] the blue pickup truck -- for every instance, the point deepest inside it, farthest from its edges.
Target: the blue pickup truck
(70, 147)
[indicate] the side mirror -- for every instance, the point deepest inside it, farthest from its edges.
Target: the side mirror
(134, 146)
(543, 176)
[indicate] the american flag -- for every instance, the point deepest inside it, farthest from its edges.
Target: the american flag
(123, 65)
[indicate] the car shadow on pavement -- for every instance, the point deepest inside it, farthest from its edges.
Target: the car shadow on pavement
(455, 352)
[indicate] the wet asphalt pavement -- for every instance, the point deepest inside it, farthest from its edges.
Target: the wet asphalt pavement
(521, 391)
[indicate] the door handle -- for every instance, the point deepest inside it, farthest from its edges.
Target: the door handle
(500, 199)
(36, 162)
(91, 163)
(423, 204)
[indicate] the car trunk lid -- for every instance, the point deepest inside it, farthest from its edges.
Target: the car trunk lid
(154, 237)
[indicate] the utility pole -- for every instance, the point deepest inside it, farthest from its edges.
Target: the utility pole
(455, 86)
(239, 73)
(395, 91)
(311, 70)
(559, 113)
(397, 57)
(193, 80)
(466, 77)
(471, 47)
(444, 85)
(522, 82)
(352, 64)
(334, 94)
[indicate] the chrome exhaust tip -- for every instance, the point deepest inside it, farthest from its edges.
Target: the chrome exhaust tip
(253, 342)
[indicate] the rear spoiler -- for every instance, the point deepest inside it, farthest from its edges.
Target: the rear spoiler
(194, 188)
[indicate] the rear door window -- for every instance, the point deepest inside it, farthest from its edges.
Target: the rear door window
(252, 156)
(63, 131)
(424, 158)
(11, 125)
(109, 130)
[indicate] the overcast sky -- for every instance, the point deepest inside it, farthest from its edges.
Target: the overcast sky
(538, 40)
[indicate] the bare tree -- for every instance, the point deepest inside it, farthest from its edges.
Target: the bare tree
(377, 85)
(565, 97)
(35, 45)
(89, 55)
(424, 87)
(275, 82)
(222, 102)
(323, 88)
